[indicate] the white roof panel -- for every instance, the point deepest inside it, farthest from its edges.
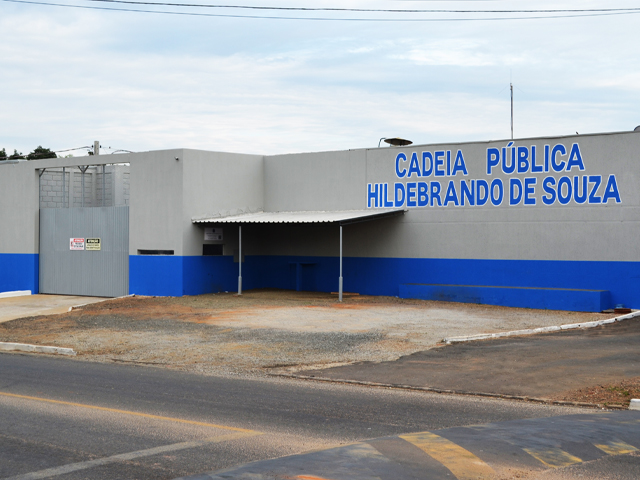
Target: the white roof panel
(343, 216)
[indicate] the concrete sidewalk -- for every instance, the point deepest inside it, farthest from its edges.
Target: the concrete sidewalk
(34, 305)
(544, 366)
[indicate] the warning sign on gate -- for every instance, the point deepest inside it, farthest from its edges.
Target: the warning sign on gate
(76, 244)
(93, 244)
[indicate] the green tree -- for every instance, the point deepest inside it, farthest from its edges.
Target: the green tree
(40, 152)
(15, 155)
(3, 155)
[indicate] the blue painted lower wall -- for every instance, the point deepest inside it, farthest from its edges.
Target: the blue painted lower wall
(19, 271)
(525, 297)
(160, 275)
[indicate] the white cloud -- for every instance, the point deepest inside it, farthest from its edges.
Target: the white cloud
(461, 53)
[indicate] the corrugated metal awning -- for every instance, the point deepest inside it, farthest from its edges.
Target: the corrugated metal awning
(343, 217)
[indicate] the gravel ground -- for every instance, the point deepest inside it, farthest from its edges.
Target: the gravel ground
(267, 330)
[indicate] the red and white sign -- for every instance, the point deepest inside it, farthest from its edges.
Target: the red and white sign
(76, 244)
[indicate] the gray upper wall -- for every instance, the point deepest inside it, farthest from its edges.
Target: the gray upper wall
(156, 199)
(315, 181)
(166, 193)
(218, 184)
(18, 208)
(338, 180)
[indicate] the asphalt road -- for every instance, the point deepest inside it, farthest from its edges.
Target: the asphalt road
(596, 446)
(68, 419)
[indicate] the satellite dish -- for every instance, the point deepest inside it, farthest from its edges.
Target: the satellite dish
(397, 142)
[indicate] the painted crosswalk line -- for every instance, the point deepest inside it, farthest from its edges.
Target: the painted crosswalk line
(461, 462)
(553, 457)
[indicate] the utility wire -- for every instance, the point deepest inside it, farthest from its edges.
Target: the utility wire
(71, 149)
(329, 19)
(368, 10)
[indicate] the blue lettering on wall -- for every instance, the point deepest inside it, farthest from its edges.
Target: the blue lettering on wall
(529, 190)
(435, 192)
(611, 190)
(399, 194)
(509, 169)
(546, 158)
(577, 197)
(459, 165)
(493, 159)
(535, 168)
(557, 167)
(401, 157)
(496, 184)
(414, 167)
(548, 185)
(482, 192)
(467, 190)
(423, 194)
(439, 162)
(512, 159)
(515, 184)
(595, 181)
(372, 194)
(452, 195)
(387, 203)
(562, 183)
(425, 156)
(523, 159)
(411, 194)
(575, 159)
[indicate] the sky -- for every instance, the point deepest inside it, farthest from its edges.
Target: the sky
(142, 81)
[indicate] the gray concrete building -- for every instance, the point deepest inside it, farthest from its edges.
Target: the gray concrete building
(539, 222)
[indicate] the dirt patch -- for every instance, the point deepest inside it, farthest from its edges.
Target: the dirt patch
(615, 394)
(266, 329)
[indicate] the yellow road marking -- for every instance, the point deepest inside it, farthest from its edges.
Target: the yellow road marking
(616, 448)
(127, 412)
(461, 462)
(628, 422)
(553, 457)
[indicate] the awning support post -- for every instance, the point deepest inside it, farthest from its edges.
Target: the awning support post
(340, 279)
(240, 260)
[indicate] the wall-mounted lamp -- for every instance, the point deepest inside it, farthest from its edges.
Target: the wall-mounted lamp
(396, 142)
(177, 159)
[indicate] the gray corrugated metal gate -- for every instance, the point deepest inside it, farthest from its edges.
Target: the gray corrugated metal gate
(103, 273)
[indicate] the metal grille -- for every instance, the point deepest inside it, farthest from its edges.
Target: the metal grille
(103, 273)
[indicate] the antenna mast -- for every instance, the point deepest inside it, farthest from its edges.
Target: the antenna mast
(511, 88)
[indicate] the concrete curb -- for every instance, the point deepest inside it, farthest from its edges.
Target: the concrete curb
(25, 347)
(75, 307)
(533, 331)
(450, 392)
(16, 293)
